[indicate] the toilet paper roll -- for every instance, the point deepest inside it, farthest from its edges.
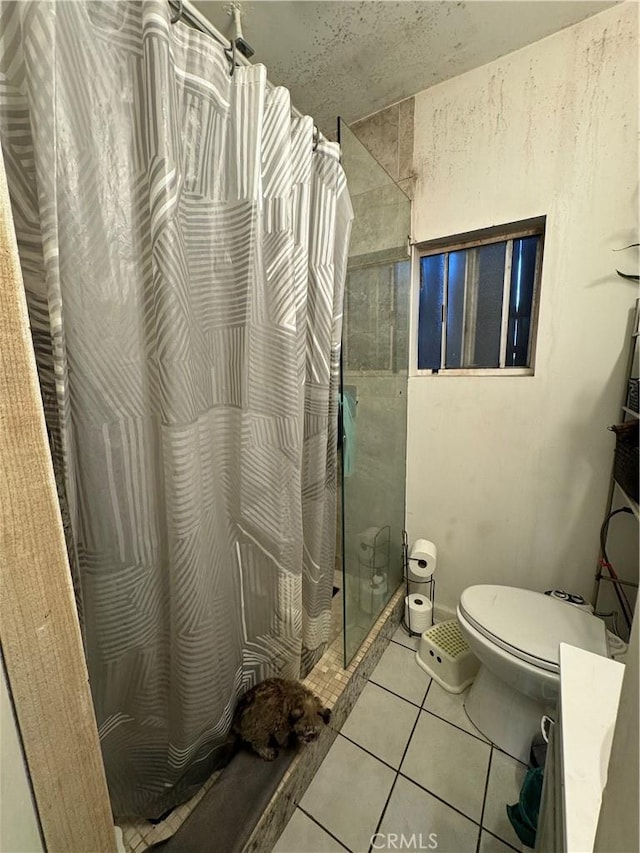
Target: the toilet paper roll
(418, 613)
(378, 598)
(373, 593)
(423, 558)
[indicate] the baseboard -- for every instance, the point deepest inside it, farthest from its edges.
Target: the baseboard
(442, 613)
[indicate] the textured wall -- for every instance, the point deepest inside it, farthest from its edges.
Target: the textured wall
(510, 475)
(352, 59)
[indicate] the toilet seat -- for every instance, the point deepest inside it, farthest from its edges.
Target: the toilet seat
(530, 625)
(550, 666)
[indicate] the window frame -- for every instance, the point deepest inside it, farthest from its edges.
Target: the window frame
(534, 227)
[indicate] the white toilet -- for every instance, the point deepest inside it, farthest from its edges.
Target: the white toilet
(516, 634)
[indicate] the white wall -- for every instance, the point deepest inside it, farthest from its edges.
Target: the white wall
(510, 475)
(19, 832)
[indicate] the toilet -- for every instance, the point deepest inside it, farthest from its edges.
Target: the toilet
(516, 634)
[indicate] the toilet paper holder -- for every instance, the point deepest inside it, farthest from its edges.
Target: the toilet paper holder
(374, 545)
(427, 586)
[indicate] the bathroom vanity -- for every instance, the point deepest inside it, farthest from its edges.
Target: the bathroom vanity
(579, 747)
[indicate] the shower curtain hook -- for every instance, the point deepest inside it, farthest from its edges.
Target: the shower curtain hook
(316, 137)
(178, 14)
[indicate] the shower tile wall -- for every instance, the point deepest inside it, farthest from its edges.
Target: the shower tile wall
(388, 135)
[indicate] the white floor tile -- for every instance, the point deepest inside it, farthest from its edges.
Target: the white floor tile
(448, 762)
(399, 672)
(505, 780)
(404, 639)
(348, 793)
(489, 844)
(450, 707)
(302, 835)
(381, 723)
(424, 820)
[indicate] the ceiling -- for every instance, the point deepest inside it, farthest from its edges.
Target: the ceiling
(352, 59)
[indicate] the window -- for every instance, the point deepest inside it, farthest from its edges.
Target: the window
(479, 297)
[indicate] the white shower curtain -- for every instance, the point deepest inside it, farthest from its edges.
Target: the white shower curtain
(183, 249)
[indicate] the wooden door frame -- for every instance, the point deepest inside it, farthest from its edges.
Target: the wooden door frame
(39, 630)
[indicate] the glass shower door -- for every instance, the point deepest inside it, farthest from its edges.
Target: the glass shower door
(374, 391)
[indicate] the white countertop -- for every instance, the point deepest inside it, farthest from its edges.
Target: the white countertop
(589, 695)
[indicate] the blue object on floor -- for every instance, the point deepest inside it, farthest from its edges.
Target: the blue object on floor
(523, 816)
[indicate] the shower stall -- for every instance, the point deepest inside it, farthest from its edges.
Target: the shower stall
(375, 343)
(183, 241)
(182, 235)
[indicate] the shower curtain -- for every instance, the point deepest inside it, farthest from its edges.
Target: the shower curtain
(183, 249)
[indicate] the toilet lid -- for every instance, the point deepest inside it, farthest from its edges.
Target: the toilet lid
(531, 625)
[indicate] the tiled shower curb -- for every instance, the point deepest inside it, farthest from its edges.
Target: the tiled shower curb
(339, 689)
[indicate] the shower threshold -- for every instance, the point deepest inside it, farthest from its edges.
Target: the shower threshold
(246, 805)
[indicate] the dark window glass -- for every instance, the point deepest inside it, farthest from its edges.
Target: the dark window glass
(488, 281)
(432, 275)
(523, 271)
(455, 307)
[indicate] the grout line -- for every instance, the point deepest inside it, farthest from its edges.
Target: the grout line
(460, 729)
(368, 751)
(479, 839)
(406, 749)
(484, 799)
(424, 698)
(382, 813)
(407, 636)
(323, 828)
(393, 693)
(398, 643)
(436, 797)
(508, 754)
(501, 840)
(398, 773)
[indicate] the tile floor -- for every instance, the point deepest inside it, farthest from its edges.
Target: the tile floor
(407, 762)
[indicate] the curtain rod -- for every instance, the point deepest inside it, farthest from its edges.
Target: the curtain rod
(188, 12)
